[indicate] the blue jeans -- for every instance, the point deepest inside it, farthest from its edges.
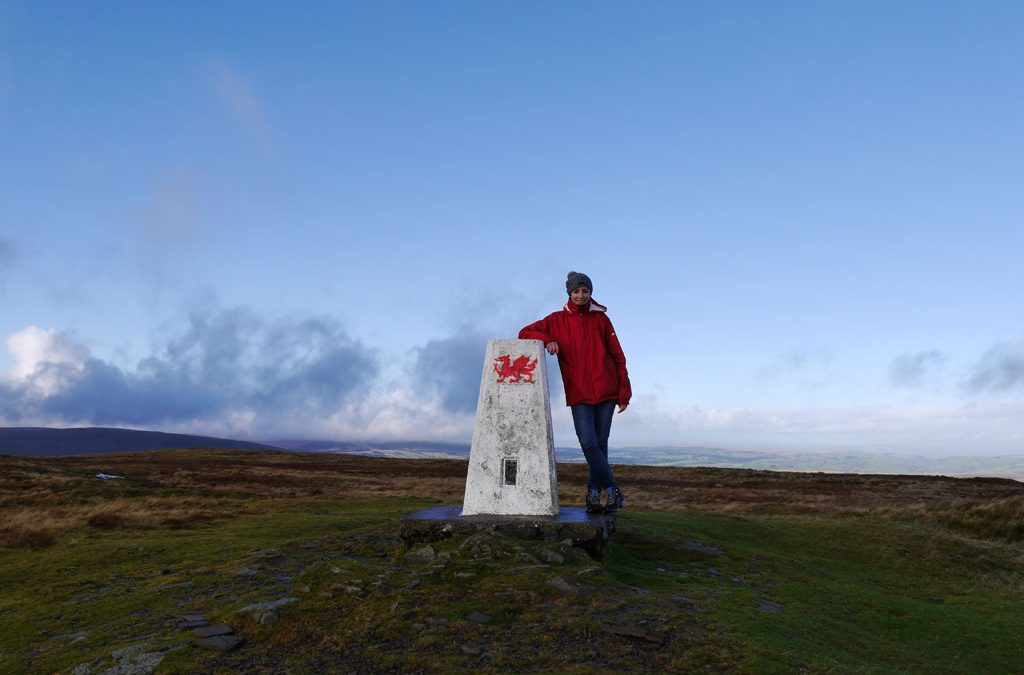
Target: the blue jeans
(593, 424)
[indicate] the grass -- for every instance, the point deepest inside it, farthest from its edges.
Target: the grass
(856, 594)
(762, 573)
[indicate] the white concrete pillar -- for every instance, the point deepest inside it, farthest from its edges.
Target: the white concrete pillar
(512, 459)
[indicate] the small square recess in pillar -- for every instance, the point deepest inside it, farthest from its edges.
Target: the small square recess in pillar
(511, 466)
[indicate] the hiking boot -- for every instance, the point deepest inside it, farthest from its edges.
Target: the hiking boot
(614, 501)
(593, 502)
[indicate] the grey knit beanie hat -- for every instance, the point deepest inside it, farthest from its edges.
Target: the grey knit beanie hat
(576, 279)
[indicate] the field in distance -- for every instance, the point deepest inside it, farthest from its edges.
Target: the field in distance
(723, 570)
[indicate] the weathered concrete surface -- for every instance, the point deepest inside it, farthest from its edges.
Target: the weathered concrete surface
(587, 531)
(512, 459)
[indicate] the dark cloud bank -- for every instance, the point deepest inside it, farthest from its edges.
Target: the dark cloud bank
(914, 370)
(1000, 369)
(232, 361)
(450, 368)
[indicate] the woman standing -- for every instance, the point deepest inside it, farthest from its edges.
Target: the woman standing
(595, 378)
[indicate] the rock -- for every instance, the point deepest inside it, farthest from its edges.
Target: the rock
(193, 617)
(273, 604)
(471, 649)
(82, 669)
(417, 627)
(525, 557)
(422, 554)
(478, 617)
(246, 571)
(143, 664)
(475, 539)
(127, 652)
(549, 556)
(563, 586)
(938, 599)
(210, 631)
(134, 661)
(436, 621)
(77, 636)
(265, 616)
(185, 625)
(590, 570)
(770, 607)
(222, 643)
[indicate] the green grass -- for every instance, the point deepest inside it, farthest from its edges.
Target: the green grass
(858, 594)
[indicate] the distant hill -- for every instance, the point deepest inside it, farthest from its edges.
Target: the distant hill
(37, 442)
(403, 449)
(1006, 466)
(42, 441)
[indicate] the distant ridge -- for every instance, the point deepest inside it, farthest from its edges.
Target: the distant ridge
(1004, 466)
(43, 441)
(401, 449)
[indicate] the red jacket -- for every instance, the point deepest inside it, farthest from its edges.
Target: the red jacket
(589, 355)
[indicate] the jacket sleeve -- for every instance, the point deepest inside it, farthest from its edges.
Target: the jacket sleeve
(538, 330)
(615, 349)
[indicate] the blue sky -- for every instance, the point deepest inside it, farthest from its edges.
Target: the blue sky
(305, 220)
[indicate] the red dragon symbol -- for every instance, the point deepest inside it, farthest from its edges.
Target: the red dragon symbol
(520, 370)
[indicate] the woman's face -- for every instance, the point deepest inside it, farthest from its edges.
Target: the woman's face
(581, 296)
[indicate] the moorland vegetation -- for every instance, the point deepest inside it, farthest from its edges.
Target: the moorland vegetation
(720, 570)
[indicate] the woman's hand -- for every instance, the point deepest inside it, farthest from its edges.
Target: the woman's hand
(623, 406)
(552, 347)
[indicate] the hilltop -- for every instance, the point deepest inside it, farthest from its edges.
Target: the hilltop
(45, 441)
(715, 570)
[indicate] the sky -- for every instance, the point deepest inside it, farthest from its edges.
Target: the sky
(305, 220)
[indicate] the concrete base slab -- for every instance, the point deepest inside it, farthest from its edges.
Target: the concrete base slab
(588, 531)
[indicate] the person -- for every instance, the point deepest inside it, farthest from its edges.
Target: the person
(596, 381)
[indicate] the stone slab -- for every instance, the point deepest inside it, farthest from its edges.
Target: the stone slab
(211, 631)
(586, 530)
(224, 643)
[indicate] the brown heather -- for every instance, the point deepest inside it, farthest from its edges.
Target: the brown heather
(177, 488)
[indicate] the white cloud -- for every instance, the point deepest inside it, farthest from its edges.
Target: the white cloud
(35, 350)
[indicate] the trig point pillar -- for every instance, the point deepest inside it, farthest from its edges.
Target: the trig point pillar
(512, 459)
